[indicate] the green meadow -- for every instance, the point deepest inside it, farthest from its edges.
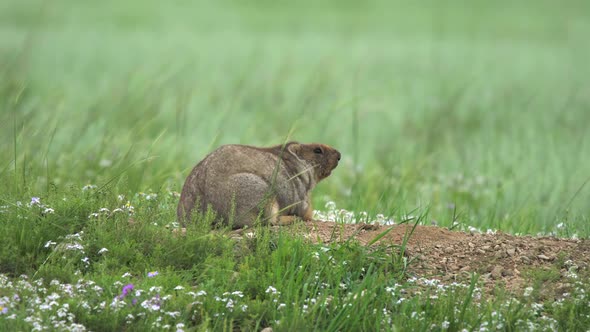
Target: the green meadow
(455, 113)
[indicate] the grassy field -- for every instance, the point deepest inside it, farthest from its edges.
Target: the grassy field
(466, 114)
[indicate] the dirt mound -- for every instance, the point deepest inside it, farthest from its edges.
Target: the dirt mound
(501, 259)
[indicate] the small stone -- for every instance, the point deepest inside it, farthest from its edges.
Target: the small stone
(448, 277)
(367, 227)
(500, 254)
(497, 272)
(465, 268)
(525, 259)
(511, 251)
(545, 258)
(266, 329)
(486, 248)
(448, 250)
(471, 245)
(479, 251)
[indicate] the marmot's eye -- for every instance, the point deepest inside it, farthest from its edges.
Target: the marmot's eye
(318, 150)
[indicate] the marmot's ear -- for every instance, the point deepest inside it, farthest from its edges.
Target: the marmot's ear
(294, 149)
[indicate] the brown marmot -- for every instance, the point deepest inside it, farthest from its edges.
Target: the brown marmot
(242, 183)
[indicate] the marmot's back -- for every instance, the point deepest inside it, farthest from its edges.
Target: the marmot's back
(241, 183)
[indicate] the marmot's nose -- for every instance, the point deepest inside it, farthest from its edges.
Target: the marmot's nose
(338, 154)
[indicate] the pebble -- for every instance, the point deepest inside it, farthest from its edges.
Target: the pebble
(525, 259)
(497, 272)
(500, 254)
(449, 277)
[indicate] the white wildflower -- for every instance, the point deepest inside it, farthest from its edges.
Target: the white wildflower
(89, 187)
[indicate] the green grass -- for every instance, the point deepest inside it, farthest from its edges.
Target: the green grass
(56, 272)
(471, 112)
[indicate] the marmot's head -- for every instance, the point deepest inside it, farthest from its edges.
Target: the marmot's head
(321, 157)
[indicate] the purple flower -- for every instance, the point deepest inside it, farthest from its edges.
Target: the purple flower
(3, 310)
(35, 200)
(152, 274)
(126, 290)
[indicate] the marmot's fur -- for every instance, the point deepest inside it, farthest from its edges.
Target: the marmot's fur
(241, 183)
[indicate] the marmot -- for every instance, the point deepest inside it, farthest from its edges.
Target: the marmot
(241, 183)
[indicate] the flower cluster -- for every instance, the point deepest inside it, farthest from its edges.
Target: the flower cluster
(348, 217)
(126, 208)
(43, 208)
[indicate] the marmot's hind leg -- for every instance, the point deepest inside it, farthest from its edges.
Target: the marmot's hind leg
(249, 196)
(253, 200)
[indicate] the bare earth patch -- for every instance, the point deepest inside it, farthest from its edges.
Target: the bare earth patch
(501, 259)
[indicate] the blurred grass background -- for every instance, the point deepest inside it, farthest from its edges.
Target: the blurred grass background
(476, 111)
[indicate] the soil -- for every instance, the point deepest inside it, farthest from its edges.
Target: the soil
(500, 259)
